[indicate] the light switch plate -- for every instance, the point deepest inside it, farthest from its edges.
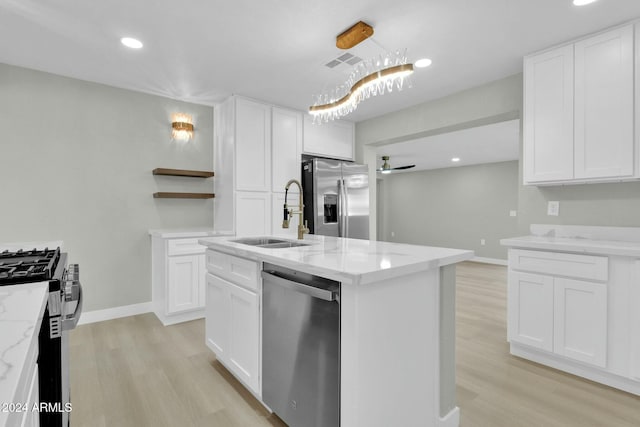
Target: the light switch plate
(513, 213)
(553, 208)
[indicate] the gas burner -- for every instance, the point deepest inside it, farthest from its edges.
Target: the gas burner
(28, 266)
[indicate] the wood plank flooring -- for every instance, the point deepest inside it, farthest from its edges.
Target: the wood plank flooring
(135, 372)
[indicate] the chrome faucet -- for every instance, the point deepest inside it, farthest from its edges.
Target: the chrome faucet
(302, 229)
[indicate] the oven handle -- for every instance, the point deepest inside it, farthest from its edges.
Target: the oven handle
(71, 322)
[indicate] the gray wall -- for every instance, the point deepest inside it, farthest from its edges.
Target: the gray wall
(614, 204)
(453, 207)
(75, 165)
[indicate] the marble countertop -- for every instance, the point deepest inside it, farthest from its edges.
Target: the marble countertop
(21, 311)
(596, 240)
(176, 233)
(575, 244)
(354, 260)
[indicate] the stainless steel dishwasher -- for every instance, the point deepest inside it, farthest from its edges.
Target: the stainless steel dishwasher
(301, 347)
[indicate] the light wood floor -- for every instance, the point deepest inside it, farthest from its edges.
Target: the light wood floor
(135, 372)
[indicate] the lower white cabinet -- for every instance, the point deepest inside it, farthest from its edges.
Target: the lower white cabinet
(580, 320)
(186, 278)
(32, 418)
(233, 326)
(564, 316)
(634, 330)
(531, 309)
(177, 276)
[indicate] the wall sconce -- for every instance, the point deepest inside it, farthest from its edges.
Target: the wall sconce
(182, 125)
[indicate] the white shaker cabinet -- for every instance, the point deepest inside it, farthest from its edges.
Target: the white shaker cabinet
(232, 325)
(177, 276)
(548, 116)
(530, 309)
(253, 213)
(252, 145)
(604, 105)
(578, 111)
(286, 151)
(580, 320)
(334, 139)
(634, 330)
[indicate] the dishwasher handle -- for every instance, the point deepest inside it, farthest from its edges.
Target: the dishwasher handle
(322, 294)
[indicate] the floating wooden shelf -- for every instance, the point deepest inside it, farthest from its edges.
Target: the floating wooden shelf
(182, 172)
(163, 195)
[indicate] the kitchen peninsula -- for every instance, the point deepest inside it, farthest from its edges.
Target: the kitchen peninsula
(397, 321)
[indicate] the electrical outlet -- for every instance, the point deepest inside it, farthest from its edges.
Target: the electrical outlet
(482, 242)
(553, 208)
(513, 213)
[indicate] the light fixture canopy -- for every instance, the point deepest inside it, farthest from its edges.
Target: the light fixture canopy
(356, 34)
(583, 2)
(370, 78)
(182, 125)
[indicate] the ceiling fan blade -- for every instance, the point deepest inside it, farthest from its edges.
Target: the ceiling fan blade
(404, 167)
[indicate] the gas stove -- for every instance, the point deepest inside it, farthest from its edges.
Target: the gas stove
(34, 265)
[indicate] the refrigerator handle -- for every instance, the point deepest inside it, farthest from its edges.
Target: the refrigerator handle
(345, 209)
(340, 208)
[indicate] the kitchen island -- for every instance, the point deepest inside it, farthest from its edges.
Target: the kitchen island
(397, 322)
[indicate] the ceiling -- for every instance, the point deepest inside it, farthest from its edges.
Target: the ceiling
(497, 142)
(203, 51)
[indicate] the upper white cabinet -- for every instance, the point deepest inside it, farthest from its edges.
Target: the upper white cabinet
(253, 213)
(333, 139)
(286, 140)
(253, 145)
(604, 105)
(548, 116)
(578, 111)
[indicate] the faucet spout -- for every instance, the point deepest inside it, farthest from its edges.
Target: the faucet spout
(302, 224)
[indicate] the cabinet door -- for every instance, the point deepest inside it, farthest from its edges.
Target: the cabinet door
(333, 139)
(184, 283)
(604, 105)
(217, 314)
(243, 352)
(530, 310)
(286, 146)
(253, 213)
(277, 205)
(548, 116)
(634, 330)
(202, 282)
(253, 146)
(580, 321)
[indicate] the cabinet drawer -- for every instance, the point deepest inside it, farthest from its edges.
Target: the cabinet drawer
(240, 271)
(560, 264)
(184, 247)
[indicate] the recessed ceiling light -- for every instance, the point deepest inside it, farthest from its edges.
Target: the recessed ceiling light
(582, 2)
(421, 63)
(455, 159)
(131, 42)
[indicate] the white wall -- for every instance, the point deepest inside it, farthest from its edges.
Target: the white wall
(453, 207)
(75, 165)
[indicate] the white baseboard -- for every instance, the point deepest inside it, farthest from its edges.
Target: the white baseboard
(484, 260)
(452, 419)
(115, 313)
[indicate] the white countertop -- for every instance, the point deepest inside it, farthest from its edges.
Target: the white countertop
(176, 233)
(616, 241)
(355, 260)
(21, 310)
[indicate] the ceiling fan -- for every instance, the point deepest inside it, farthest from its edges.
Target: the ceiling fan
(386, 167)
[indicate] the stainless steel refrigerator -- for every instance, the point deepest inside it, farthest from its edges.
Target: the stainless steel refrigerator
(336, 198)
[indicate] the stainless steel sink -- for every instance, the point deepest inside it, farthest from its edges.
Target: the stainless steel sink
(269, 243)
